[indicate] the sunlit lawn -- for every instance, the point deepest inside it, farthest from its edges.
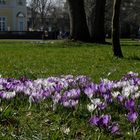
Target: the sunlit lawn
(36, 59)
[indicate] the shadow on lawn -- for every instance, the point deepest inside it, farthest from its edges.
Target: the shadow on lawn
(131, 45)
(135, 57)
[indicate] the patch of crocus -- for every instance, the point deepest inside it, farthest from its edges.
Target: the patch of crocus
(132, 116)
(67, 91)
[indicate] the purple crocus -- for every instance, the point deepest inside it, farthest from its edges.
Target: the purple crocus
(107, 97)
(46, 93)
(120, 98)
(57, 97)
(70, 103)
(102, 88)
(94, 120)
(102, 121)
(130, 104)
(72, 94)
(89, 91)
(102, 106)
(105, 120)
(1, 95)
(132, 116)
(58, 87)
(114, 128)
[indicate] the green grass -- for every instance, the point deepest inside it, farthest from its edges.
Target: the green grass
(31, 59)
(54, 58)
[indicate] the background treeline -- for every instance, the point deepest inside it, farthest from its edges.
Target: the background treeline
(56, 16)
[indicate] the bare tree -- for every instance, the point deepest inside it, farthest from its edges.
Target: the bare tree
(40, 9)
(44, 7)
(33, 7)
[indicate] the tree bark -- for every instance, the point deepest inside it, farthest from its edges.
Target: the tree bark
(116, 29)
(98, 24)
(78, 25)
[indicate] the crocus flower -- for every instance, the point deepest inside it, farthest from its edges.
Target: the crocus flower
(105, 120)
(96, 101)
(94, 120)
(114, 128)
(102, 121)
(1, 95)
(120, 98)
(107, 97)
(89, 92)
(132, 116)
(102, 88)
(130, 104)
(91, 107)
(70, 103)
(57, 97)
(8, 95)
(102, 106)
(115, 94)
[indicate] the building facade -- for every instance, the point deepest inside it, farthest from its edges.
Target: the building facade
(13, 15)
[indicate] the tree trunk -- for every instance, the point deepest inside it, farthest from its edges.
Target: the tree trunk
(116, 29)
(98, 29)
(78, 25)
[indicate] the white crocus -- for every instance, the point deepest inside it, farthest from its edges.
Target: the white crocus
(96, 101)
(115, 94)
(135, 88)
(136, 95)
(9, 95)
(1, 87)
(66, 130)
(126, 92)
(133, 73)
(91, 107)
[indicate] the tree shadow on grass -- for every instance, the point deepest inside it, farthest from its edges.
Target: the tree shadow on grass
(134, 57)
(130, 45)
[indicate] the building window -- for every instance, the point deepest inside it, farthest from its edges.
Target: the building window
(21, 26)
(20, 2)
(2, 2)
(2, 24)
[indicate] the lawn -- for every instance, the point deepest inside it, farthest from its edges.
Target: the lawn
(37, 59)
(34, 59)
